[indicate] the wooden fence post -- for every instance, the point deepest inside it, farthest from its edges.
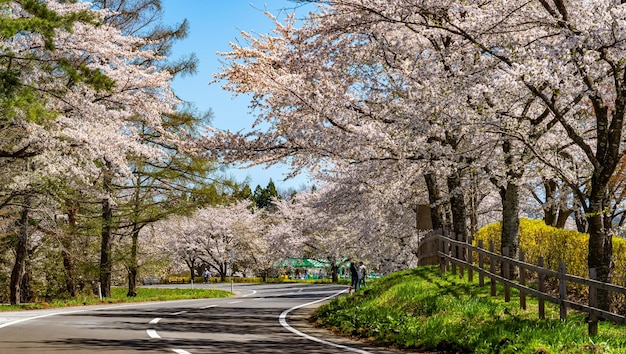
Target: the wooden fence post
(462, 257)
(492, 269)
(506, 274)
(442, 249)
(522, 280)
(446, 251)
(455, 253)
(593, 303)
(542, 289)
(470, 273)
(481, 264)
(562, 292)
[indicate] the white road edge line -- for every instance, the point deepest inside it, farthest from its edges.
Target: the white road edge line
(109, 307)
(252, 293)
(283, 321)
(42, 316)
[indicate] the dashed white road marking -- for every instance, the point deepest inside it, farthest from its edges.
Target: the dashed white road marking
(180, 351)
(283, 321)
(178, 313)
(207, 307)
(152, 333)
(235, 302)
(155, 321)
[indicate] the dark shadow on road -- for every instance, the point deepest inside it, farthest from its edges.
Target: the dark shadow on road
(212, 330)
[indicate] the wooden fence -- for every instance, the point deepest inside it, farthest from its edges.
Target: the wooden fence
(450, 253)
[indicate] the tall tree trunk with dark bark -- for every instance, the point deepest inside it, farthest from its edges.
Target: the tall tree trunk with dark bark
(133, 267)
(334, 271)
(66, 252)
(457, 206)
(21, 253)
(510, 223)
(106, 264)
(600, 255)
(434, 199)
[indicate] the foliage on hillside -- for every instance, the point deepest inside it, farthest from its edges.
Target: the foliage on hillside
(555, 245)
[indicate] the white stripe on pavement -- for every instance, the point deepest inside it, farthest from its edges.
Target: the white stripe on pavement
(152, 333)
(283, 321)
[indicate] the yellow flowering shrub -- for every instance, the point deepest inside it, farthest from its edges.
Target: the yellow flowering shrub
(555, 245)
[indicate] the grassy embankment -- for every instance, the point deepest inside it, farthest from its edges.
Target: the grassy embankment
(421, 309)
(118, 295)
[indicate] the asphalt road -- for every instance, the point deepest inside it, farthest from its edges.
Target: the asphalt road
(260, 319)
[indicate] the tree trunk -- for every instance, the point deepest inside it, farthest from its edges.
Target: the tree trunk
(474, 200)
(191, 265)
(582, 225)
(106, 266)
(26, 292)
(334, 271)
(600, 255)
(21, 252)
(510, 206)
(70, 283)
(549, 207)
(133, 267)
(66, 252)
(561, 220)
(434, 199)
(457, 206)
(510, 223)
(223, 269)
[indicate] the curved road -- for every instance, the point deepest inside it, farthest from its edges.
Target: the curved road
(260, 319)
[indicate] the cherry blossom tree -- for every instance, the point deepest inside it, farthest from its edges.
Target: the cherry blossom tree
(177, 236)
(224, 236)
(355, 97)
(558, 64)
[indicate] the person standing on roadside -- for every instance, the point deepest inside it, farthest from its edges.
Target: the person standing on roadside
(206, 275)
(354, 275)
(362, 271)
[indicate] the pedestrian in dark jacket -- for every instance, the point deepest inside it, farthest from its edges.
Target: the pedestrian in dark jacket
(354, 274)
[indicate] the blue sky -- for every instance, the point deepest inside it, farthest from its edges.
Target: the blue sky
(213, 24)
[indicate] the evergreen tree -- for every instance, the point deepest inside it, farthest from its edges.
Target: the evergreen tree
(263, 196)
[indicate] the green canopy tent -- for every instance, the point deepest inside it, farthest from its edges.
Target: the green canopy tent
(301, 263)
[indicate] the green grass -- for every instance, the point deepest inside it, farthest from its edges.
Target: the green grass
(118, 295)
(425, 310)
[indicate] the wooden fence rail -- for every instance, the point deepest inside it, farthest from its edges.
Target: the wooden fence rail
(446, 251)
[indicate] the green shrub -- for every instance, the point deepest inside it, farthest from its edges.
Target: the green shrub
(555, 245)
